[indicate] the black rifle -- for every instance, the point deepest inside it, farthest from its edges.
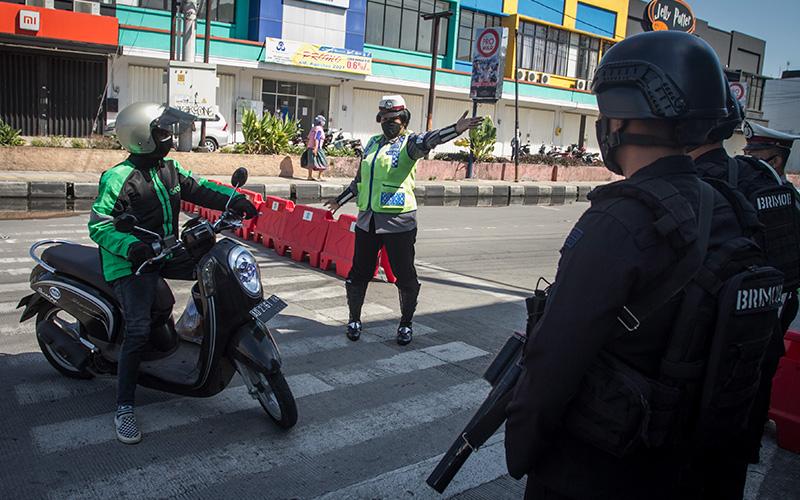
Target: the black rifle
(502, 374)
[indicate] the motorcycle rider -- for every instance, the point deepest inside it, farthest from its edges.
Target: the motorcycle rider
(149, 186)
(387, 208)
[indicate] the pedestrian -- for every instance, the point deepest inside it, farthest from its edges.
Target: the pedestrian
(598, 411)
(723, 476)
(387, 208)
(149, 186)
(313, 157)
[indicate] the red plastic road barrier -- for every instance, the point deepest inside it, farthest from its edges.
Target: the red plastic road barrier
(246, 231)
(339, 245)
(270, 225)
(383, 261)
(785, 402)
(305, 233)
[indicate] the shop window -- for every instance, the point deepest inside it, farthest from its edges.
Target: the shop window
(301, 101)
(559, 52)
(468, 26)
(397, 23)
(221, 10)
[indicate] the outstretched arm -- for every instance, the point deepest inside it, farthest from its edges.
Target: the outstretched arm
(422, 144)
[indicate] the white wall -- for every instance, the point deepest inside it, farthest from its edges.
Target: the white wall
(781, 107)
(313, 23)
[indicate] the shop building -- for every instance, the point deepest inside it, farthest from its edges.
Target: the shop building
(279, 52)
(54, 59)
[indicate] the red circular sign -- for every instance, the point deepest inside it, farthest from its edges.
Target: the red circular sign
(737, 89)
(488, 43)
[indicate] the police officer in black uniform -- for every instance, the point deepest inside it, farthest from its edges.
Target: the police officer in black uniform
(653, 102)
(724, 476)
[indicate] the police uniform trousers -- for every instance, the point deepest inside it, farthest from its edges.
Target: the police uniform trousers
(400, 250)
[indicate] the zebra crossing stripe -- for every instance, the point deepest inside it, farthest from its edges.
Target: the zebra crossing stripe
(515, 294)
(325, 292)
(485, 465)
(190, 473)
(376, 333)
(156, 417)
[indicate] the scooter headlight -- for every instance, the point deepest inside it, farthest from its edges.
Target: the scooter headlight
(245, 267)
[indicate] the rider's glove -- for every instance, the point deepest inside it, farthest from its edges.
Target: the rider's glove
(243, 207)
(140, 252)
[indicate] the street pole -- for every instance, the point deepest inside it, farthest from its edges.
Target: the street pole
(471, 155)
(172, 22)
(516, 106)
(435, 16)
(189, 25)
(206, 53)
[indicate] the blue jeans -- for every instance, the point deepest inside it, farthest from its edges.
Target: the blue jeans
(136, 295)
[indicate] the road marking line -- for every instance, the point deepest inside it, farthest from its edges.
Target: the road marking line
(22, 286)
(16, 271)
(325, 292)
(61, 388)
(15, 260)
(429, 270)
(76, 433)
(8, 307)
(291, 280)
(484, 466)
(188, 474)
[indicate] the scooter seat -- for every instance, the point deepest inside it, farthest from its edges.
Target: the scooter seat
(83, 263)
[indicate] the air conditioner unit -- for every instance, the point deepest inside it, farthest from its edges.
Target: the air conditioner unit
(47, 4)
(581, 85)
(522, 74)
(533, 77)
(545, 79)
(86, 7)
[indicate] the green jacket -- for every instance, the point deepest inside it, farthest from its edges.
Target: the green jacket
(153, 194)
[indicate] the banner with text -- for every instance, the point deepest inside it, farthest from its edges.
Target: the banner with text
(488, 64)
(323, 57)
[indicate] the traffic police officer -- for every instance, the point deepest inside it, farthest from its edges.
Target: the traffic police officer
(387, 208)
(653, 103)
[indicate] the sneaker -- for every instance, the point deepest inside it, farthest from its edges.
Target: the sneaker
(404, 334)
(354, 330)
(125, 422)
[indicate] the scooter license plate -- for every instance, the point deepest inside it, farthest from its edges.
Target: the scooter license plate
(267, 309)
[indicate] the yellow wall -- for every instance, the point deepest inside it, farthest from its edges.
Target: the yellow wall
(570, 12)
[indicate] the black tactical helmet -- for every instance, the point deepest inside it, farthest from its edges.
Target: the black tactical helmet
(726, 126)
(660, 75)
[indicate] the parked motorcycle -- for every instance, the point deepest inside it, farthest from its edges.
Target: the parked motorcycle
(79, 323)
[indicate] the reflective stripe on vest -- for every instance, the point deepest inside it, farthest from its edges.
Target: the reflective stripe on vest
(387, 177)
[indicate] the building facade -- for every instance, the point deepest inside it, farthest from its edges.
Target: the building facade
(262, 52)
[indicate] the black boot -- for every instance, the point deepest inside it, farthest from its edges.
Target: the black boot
(408, 304)
(355, 299)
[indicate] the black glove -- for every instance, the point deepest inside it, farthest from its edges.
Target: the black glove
(243, 207)
(140, 252)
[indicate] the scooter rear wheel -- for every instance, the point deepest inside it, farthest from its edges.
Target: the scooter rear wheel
(272, 392)
(55, 359)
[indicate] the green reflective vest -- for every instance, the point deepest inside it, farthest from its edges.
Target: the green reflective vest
(387, 177)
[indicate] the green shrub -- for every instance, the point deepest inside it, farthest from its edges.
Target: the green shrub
(345, 152)
(110, 141)
(55, 141)
(78, 143)
(9, 136)
(38, 142)
(231, 149)
(481, 140)
(297, 149)
(269, 135)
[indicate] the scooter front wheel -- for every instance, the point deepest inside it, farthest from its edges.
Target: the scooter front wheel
(272, 392)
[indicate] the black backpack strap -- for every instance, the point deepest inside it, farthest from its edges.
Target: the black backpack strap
(674, 218)
(687, 267)
(733, 172)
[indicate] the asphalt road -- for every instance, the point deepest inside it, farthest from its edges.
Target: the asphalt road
(373, 416)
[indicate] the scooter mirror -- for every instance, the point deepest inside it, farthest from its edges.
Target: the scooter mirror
(125, 223)
(239, 177)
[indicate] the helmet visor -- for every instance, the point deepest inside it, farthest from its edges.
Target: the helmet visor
(171, 118)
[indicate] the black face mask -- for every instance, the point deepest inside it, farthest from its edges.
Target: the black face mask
(391, 129)
(163, 140)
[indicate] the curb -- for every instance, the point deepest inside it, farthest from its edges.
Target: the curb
(312, 192)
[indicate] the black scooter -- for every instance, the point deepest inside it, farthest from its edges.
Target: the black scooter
(79, 325)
